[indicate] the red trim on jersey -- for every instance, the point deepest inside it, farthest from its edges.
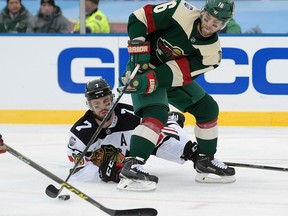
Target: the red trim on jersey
(153, 123)
(161, 137)
(169, 130)
(206, 125)
(151, 27)
(184, 66)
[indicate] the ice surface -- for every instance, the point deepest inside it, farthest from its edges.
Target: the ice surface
(255, 192)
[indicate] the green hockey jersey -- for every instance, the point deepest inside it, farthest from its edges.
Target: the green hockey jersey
(178, 50)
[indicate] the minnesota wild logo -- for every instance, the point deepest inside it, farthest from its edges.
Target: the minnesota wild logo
(166, 51)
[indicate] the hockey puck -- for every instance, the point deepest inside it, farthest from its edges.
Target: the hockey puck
(64, 197)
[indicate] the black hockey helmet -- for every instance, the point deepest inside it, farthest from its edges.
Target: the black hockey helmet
(178, 117)
(97, 88)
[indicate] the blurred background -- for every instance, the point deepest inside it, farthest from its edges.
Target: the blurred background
(254, 16)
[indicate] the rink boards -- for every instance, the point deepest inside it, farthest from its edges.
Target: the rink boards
(43, 77)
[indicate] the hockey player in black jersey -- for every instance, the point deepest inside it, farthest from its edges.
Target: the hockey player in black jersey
(104, 159)
(113, 138)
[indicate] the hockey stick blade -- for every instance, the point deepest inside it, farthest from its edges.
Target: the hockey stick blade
(112, 212)
(257, 166)
(51, 190)
(142, 212)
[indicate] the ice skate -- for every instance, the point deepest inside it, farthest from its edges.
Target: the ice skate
(211, 170)
(134, 178)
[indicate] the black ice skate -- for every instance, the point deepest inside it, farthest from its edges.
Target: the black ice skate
(133, 177)
(211, 170)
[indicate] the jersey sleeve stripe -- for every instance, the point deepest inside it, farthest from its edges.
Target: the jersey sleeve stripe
(151, 26)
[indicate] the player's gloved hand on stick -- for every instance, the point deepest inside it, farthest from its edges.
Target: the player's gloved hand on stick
(145, 83)
(2, 146)
(110, 169)
(139, 54)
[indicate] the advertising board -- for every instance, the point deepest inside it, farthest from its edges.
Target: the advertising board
(43, 77)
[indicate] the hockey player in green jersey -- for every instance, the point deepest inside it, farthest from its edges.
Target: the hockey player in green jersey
(174, 42)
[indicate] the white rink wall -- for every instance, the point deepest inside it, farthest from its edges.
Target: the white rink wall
(45, 75)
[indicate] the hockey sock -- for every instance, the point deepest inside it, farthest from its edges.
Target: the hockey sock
(145, 137)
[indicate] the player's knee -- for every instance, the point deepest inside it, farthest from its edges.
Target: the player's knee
(212, 112)
(159, 113)
(212, 107)
(205, 110)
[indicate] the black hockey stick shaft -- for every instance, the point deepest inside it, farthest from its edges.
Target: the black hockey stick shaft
(257, 166)
(139, 211)
(51, 190)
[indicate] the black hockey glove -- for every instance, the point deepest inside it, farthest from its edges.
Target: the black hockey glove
(110, 162)
(191, 151)
(110, 169)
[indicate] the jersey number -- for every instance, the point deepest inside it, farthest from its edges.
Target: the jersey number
(123, 111)
(162, 7)
(221, 5)
(87, 125)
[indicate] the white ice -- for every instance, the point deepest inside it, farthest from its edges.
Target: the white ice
(255, 192)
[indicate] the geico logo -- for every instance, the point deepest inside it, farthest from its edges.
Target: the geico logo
(258, 75)
(66, 77)
(257, 78)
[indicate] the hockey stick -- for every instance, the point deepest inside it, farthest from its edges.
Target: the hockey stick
(51, 190)
(256, 166)
(139, 211)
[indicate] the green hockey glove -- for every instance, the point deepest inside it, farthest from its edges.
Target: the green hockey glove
(145, 83)
(139, 54)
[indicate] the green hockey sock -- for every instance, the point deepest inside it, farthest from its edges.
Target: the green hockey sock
(140, 147)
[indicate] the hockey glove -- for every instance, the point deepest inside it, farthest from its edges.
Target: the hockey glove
(190, 152)
(139, 54)
(110, 169)
(2, 146)
(145, 83)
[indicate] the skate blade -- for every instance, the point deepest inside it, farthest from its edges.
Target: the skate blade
(212, 178)
(136, 185)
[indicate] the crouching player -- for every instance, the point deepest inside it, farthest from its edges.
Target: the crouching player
(105, 156)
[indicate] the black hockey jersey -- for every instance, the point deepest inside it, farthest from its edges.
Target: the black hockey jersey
(117, 135)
